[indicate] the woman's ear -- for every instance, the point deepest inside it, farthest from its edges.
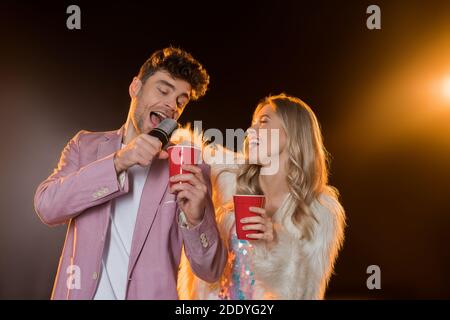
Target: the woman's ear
(135, 87)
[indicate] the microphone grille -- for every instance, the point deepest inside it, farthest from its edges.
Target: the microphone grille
(168, 125)
(164, 130)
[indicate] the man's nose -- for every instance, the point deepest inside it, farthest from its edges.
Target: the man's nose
(172, 106)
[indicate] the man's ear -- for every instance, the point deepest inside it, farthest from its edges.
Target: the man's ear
(135, 87)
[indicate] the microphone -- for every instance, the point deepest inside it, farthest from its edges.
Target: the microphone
(164, 130)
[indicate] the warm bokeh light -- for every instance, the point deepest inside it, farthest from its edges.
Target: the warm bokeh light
(446, 88)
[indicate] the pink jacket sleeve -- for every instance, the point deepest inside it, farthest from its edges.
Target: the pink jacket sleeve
(73, 188)
(203, 245)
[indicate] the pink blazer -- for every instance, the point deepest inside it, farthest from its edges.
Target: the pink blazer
(79, 193)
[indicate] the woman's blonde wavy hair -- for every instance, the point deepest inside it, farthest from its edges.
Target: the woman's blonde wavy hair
(307, 165)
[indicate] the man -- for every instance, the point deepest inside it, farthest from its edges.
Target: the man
(126, 227)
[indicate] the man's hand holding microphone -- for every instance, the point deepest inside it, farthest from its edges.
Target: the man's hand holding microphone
(141, 150)
(192, 194)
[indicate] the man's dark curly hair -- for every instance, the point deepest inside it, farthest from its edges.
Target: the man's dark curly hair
(180, 64)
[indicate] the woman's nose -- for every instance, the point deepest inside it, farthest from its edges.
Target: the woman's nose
(252, 131)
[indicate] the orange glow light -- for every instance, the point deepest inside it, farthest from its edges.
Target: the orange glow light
(446, 88)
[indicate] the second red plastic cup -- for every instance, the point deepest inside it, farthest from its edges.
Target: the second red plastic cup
(242, 204)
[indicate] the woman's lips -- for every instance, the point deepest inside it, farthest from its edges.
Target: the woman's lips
(253, 142)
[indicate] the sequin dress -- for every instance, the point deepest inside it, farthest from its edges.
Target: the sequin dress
(240, 286)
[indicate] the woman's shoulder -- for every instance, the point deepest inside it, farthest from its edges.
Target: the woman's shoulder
(327, 212)
(331, 220)
(327, 206)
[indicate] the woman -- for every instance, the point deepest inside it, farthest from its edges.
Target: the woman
(302, 224)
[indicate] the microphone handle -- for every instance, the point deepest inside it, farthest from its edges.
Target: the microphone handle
(161, 135)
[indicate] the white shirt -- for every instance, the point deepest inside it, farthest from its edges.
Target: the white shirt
(116, 255)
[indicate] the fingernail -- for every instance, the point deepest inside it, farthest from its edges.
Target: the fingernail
(243, 220)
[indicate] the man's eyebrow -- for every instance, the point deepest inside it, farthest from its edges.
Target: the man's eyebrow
(171, 86)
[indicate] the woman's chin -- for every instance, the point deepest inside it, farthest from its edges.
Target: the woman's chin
(254, 159)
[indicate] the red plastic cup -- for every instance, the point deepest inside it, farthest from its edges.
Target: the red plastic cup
(180, 155)
(242, 204)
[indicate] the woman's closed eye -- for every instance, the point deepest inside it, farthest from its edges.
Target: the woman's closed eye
(264, 119)
(263, 122)
(260, 122)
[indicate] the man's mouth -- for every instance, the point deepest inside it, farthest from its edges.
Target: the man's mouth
(156, 117)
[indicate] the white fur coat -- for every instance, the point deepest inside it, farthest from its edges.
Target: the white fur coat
(293, 268)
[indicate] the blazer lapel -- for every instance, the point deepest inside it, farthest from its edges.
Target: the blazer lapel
(154, 189)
